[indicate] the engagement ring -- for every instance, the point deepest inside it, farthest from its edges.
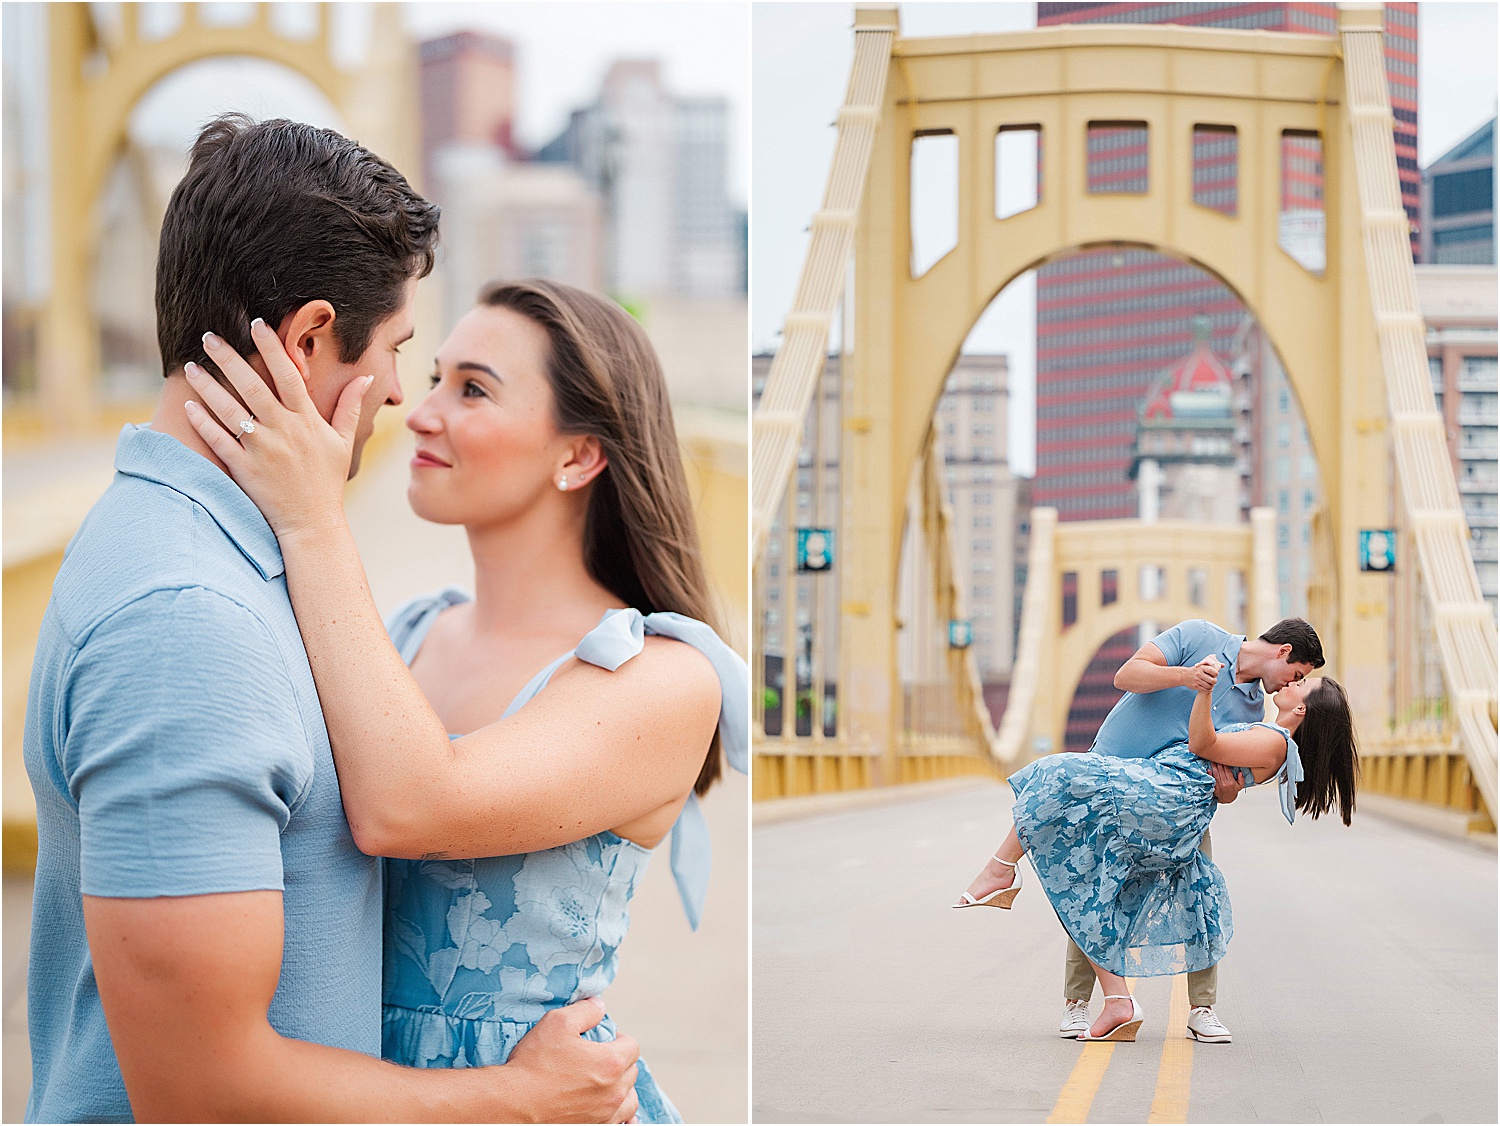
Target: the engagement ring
(247, 426)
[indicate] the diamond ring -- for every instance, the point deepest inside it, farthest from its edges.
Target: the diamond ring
(247, 426)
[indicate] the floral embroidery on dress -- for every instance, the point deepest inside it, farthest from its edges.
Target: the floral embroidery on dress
(477, 951)
(1114, 843)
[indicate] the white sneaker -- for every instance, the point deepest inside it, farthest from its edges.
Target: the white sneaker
(1075, 1021)
(1205, 1027)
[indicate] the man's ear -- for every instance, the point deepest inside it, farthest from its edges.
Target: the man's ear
(1284, 652)
(307, 335)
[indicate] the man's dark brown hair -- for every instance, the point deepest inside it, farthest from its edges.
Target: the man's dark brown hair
(274, 214)
(1306, 646)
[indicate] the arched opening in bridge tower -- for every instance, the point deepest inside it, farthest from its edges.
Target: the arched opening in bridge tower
(153, 157)
(1134, 384)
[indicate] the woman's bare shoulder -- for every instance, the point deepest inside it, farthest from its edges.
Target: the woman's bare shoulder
(668, 684)
(680, 669)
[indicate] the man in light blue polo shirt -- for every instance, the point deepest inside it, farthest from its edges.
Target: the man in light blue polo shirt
(1160, 682)
(206, 937)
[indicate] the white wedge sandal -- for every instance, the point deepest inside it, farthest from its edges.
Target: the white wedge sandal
(1126, 1030)
(1001, 897)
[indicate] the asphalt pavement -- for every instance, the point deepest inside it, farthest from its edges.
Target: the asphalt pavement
(1360, 984)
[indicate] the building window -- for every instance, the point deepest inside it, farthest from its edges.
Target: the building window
(1216, 168)
(1302, 220)
(1283, 434)
(1117, 156)
(1283, 468)
(1454, 193)
(1197, 582)
(1482, 232)
(1018, 169)
(1477, 373)
(1283, 536)
(1283, 501)
(1109, 587)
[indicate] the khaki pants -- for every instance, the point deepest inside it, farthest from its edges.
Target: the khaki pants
(1203, 985)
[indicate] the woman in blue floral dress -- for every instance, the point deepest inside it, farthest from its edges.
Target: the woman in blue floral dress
(1114, 841)
(553, 728)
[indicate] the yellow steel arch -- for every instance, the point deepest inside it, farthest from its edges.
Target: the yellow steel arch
(945, 361)
(98, 71)
(1218, 572)
(1349, 336)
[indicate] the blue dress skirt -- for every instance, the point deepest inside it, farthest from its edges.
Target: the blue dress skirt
(1114, 842)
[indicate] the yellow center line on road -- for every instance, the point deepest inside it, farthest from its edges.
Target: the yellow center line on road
(1077, 1094)
(1174, 1079)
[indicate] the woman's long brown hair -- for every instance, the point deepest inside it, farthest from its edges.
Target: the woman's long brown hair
(640, 540)
(1330, 755)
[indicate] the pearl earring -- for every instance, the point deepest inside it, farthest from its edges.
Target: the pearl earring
(563, 484)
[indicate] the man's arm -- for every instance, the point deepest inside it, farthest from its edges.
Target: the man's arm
(1150, 671)
(186, 983)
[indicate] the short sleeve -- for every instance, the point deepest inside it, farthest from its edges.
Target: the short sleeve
(1180, 642)
(183, 748)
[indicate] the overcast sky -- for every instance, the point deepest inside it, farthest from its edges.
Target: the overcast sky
(800, 67)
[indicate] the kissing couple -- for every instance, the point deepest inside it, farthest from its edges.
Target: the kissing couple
(1118, 836)
(298, 865)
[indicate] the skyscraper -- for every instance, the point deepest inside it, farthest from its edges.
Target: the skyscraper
(1108, 321)
(1458, 304)
(660, 161)
(1458, 202)
(468, 95)
(505, 216)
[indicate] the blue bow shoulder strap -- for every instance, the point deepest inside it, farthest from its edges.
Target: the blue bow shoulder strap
(1290, 773)
(619, 636)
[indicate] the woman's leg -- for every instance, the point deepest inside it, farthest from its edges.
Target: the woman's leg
(997, 877)
(1116, 1012)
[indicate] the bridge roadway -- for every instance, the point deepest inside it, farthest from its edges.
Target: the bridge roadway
(1360, 985)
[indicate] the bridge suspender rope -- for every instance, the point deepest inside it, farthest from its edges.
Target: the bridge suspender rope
(1036, 617)
(1465, 629)
(794, 372)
